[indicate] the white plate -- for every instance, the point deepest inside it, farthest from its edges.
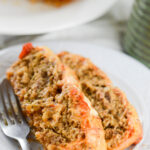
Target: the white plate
(20, 17)
(125, 72)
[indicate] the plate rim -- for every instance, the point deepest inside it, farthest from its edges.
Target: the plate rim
(118, 52)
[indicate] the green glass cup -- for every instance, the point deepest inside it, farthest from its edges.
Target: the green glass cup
(137, 38)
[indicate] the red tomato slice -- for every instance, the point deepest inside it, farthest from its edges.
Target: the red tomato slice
(26, 50)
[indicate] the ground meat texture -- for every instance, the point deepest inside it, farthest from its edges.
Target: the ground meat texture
(51, 101)
(110, 103)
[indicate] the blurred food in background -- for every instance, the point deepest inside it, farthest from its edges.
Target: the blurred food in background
(53, 2)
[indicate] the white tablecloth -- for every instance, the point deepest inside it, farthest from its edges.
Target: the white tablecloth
(105, 31)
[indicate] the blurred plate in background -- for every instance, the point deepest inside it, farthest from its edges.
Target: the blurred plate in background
(20, 17)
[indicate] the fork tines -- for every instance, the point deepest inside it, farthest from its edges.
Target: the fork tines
(10, 110)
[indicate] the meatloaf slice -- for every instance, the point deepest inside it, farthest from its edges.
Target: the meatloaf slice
(59, 114)
(119, 118)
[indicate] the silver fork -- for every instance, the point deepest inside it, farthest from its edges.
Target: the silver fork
(12, 123)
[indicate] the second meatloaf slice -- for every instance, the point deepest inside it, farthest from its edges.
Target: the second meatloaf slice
(119, 118)
(59, 114)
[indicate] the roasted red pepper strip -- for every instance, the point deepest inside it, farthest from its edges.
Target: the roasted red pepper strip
(25, 50)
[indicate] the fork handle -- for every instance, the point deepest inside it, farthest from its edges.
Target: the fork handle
(24, 144)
